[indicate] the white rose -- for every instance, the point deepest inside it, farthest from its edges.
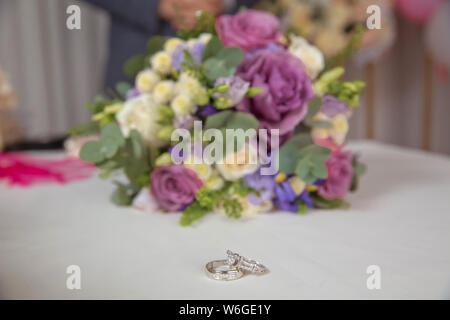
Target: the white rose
(141, 114)
(311, 56)
(146, 81)
(239, 164)
(161, 62)
(182, 105)
(171, 44)
(163, 92)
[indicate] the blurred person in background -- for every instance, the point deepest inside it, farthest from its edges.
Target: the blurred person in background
(133, 22)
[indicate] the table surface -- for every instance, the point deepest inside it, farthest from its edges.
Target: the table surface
(399, 221)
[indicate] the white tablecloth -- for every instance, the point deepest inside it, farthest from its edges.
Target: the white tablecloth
(399, 220)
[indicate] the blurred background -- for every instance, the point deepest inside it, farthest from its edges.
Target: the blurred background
(55, 71)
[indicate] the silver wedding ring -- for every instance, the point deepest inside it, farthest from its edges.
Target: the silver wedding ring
(233, 268)
(220, 270)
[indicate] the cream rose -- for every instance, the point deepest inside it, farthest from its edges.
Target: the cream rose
(161, 62)
(239, 164)
(141, 114)
(311, 56)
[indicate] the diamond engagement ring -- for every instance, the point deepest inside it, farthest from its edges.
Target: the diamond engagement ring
(221, 270)
(236, 261)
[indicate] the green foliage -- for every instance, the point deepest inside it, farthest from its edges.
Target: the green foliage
(124, 193)
(155, 44)
(231, 120)
(349, 51)
(359, 169)
(222, 64)
(99, 104)
(114, 152)
(307, 160)
(302, 208)
(207, 200)
(214, 46)
(84, 129)
(122, 89)
(193, 213)
(205, 23)
(135, 65)
(322, 203)
(313, 108)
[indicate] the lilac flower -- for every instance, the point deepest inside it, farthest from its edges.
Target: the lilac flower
(269, 47)
(207, 111)
(184, 122)
(305, 197)
(133, 93)
(264, 184)
(285, 197)
(332, 107)
(236, 92)
(179, 54)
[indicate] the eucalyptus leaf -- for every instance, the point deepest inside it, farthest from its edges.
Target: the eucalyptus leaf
(109, 147)
(212, 48)
(91, 152)
(111, 133)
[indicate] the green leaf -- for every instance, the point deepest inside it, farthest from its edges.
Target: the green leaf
(111, 133)
(137, 143)
(313, 108)
(231, 120)
(192, 213)
(155, 44)
(91, 152)
(212, 48)
(122, 89)
(311, 164)
(124, 194)
(232, 56)
(109, 147)
(322, 203)
(215, 68)
(87, 128)
(135, 65)
(288, 157)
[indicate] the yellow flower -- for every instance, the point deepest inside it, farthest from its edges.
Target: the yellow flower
(146, 81)
(161, 62)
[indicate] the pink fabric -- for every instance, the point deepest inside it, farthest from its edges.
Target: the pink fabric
(20, 169)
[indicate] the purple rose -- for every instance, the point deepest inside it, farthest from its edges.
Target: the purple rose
(332, 107)
(287, 90)
(340, 175)
(236, 92)
(248, 29)
(174, 187)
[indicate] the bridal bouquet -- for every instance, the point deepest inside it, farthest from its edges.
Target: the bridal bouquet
(232, 116)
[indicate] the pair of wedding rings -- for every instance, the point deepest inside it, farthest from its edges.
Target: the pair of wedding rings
(233, 268)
